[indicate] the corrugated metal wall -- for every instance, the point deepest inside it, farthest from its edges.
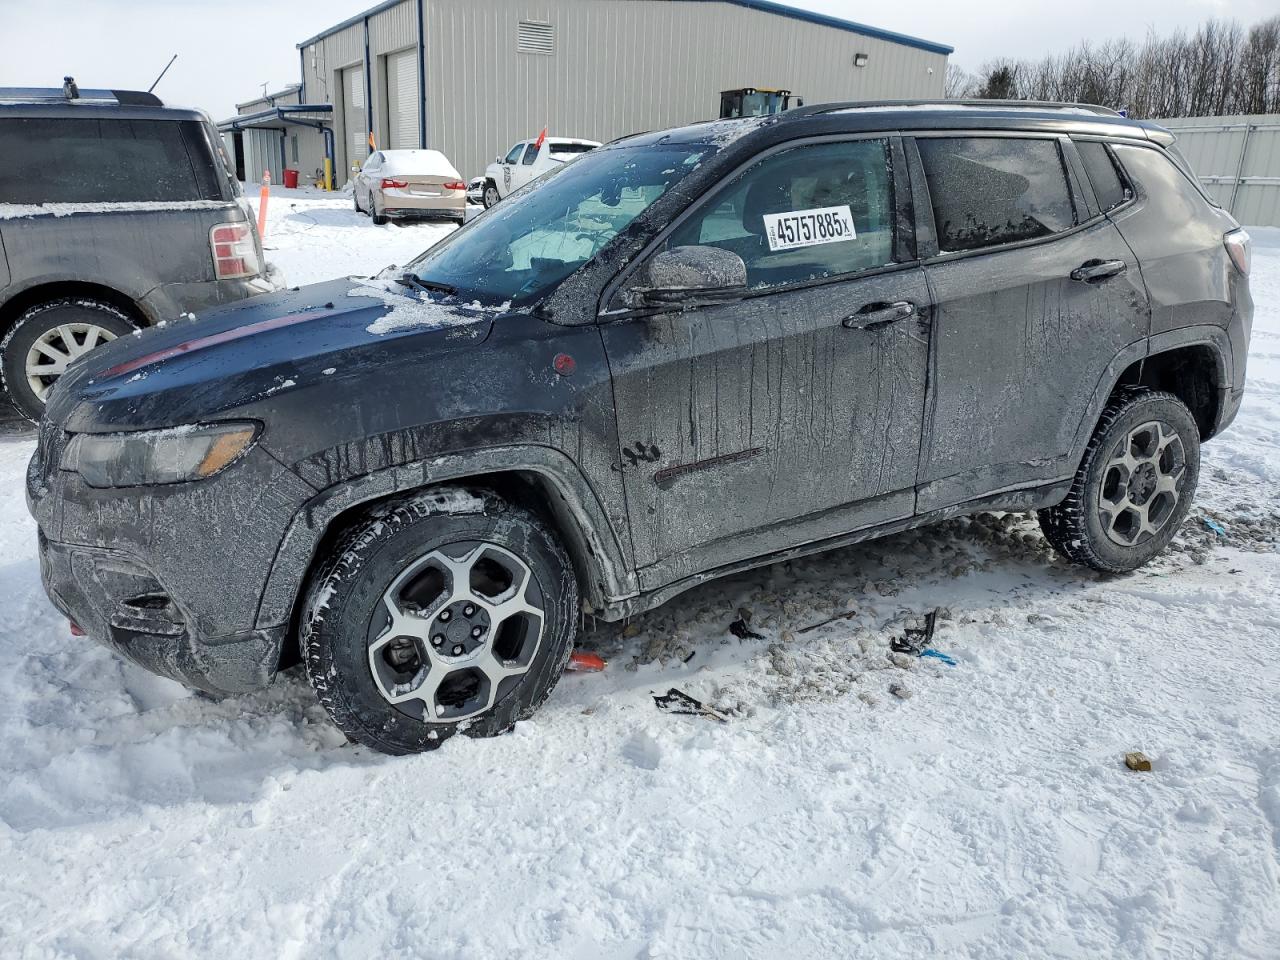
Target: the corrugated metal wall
(261, 153)
(622, 66)
(619, 66)
(1237, 160)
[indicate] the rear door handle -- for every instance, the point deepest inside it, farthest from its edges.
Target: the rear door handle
(1095, 271)
(872, 315)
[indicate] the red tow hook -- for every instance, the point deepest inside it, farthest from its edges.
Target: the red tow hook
(585, 662)
(76, 629)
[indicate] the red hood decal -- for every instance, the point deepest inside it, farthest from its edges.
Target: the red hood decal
(213, 339)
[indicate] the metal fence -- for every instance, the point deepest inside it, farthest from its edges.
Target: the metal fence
(1237, 160)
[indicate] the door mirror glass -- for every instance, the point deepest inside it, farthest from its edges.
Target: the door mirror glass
(689, 272)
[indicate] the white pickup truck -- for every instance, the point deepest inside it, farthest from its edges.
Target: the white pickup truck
(528, 160)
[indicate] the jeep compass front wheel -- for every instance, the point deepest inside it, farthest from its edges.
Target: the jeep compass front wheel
(1134, 486)
(452, 610)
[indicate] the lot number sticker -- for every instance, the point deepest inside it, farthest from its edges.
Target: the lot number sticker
(808, 228)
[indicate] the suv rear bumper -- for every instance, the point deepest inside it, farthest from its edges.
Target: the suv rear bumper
(171, 300)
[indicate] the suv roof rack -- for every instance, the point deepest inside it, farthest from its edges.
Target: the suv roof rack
(70, 93)
(1041, 106)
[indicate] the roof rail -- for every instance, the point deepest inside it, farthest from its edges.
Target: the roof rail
(125, 98)
(1037, 105)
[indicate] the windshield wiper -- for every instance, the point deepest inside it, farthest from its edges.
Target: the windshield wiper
(430, 286)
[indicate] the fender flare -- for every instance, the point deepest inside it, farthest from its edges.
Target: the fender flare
(1208, 335)
(593, 540)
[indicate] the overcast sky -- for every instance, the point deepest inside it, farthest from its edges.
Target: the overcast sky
(228, 48)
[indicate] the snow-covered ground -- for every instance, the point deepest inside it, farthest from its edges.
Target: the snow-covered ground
(988, 815)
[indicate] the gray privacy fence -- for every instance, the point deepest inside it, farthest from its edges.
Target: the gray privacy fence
(1237, 160)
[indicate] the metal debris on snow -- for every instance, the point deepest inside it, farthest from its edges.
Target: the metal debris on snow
(677, 701)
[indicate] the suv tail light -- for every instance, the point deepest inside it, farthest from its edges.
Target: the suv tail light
(234, 252)
(388, 182)
(1237, 244)
(454, 185)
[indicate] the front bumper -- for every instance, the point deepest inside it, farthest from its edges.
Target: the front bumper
(169, 577)
(122, 604)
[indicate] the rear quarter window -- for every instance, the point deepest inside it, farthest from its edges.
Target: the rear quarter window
(1108, 187)
(1162, 180)
(988, 191)
(83, 160)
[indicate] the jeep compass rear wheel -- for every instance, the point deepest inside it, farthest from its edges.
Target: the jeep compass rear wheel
(1134, 486)
(46, 339)
(453, 610)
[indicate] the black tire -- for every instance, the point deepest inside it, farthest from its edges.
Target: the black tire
(489, 196)
(344, 613)
(1075, 527)
(355, 197)
(378, 218)
(35, 323)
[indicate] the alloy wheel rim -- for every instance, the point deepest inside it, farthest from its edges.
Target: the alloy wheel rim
(490, 196)
(55, 349)
(455, 631)
(1142, 483)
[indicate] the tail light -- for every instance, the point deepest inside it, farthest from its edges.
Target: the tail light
(388, 183)
(234, 252)
(455, 185)
(1237, 244)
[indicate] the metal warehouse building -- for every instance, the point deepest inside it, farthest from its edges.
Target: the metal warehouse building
(471, 77)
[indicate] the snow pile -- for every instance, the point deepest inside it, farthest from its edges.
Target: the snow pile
(410, 313)
(989, 814)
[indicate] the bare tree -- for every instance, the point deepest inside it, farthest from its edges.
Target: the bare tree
(1219, 69)
(959, 83)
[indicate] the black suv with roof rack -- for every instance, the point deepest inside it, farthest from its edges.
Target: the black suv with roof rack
(687, 353)
(122, 215)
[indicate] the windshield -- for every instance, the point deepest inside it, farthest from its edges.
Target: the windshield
(522, 249)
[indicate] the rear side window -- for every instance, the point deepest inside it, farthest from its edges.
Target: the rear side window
(803, 214)
(570, 149)
(1110, 190)
(530, 155)
(988, 191)
(85, 160)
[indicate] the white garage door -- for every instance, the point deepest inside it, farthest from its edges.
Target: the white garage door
(402, 99)
(353, 115)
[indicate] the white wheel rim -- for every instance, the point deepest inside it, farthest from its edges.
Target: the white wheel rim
(54, 349)
(460, 635)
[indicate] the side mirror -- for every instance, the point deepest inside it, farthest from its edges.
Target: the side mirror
(691, 272)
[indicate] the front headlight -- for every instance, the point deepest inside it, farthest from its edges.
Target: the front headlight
(151, 457)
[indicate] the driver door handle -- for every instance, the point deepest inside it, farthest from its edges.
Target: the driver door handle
(873, 315)
(1095, 271)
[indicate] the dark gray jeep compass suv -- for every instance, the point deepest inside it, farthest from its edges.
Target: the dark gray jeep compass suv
(687, 353)
(116, 212)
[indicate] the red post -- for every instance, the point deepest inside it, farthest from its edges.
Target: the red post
(262, 205)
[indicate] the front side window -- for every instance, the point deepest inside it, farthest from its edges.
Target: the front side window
(86, 160)
(988, 191)
(1107, 185)
(520, 250)
(806, 213)
(514, 155)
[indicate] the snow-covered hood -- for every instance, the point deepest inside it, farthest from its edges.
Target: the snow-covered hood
(258, 351)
